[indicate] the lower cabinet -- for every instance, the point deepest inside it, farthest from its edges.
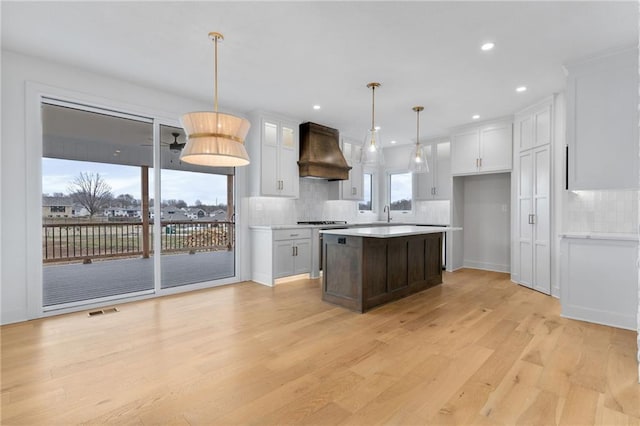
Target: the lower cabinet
(360, 273)
(292, 257)
(599, 279)
(279, 253)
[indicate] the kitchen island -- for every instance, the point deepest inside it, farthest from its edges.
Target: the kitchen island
(367, 267)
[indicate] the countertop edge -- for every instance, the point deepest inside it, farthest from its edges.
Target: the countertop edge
(600, 236)
(388, 231)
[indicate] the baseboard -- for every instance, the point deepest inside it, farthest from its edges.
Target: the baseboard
(612, 319)
(263, 279)
(486, 266)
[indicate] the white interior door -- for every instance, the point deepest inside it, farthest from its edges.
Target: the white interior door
(541, 227)
(525, 230)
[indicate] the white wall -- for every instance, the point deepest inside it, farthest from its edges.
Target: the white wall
(20, 191)
(487, 222)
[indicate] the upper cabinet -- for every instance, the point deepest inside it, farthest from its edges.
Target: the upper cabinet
(482, 149)
(532, 127)
(602, 122)
(273, 147)
(435, 185)
(352, 188)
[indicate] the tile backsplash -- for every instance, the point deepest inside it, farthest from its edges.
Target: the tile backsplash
(313, 194)
(314, 203)
(601, 211)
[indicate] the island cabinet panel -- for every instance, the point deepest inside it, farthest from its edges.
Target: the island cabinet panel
(361, 273)
(374, 268)
(342, 273)
(397, 264)
(415, 260)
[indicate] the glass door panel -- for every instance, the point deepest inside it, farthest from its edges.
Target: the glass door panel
(95, 238)
(197, 220)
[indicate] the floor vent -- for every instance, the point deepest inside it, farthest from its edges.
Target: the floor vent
(103, 311)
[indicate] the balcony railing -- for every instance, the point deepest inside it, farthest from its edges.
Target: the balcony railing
(84, 240)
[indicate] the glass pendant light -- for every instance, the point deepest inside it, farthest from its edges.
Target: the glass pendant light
(372, 146)
(418, 160)
(215, 138)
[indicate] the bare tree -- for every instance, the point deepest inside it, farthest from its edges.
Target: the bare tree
(91, 191)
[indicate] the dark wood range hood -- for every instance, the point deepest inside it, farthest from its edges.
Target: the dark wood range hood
(320, 153)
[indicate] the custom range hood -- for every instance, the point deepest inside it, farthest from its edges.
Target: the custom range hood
(320, 154)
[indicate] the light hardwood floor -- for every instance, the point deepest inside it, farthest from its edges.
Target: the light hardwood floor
(475, 350)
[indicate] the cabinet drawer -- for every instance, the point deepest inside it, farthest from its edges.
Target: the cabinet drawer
(290, 234)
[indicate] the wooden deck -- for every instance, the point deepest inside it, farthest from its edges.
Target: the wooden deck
(475, 350)
(67, 283)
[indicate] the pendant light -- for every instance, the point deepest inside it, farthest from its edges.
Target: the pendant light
(215, 138)
(372, 146)
(418, 160)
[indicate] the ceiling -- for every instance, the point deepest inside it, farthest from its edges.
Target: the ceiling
(284, 57)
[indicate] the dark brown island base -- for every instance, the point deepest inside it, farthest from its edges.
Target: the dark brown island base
(367, 267)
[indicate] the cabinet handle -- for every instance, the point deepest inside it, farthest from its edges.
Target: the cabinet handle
(566, 167)
(532, 219)
(481, 163)
(293, 235)
(432, 193)
(435, 190)
(295, 251)
(354, 191)
(477, 163)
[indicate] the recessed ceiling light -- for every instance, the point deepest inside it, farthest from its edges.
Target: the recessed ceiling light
(475, 117)
(488, 46)
(316, 107)
(521, 89)
(392, 142)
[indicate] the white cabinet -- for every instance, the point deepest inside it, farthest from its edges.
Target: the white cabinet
(483, 149)
(291, 256)
(533, 219)
(533, 128)
(602, 122)
(273, 147)
(599, 279)
(279, 253)
(352, 189)
(435, 185)
(533, 135)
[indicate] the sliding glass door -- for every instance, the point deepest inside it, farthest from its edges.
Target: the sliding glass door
(196, 215)
(96, 236)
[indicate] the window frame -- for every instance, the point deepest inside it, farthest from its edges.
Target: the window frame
(389, 173)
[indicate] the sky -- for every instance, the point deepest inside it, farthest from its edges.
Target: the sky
(401, 186)
(179, 185)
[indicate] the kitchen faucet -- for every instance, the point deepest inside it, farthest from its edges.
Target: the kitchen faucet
(388, 211)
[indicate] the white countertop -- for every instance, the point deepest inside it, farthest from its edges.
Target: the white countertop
(337, 225)
(389, 231)
(601, 236)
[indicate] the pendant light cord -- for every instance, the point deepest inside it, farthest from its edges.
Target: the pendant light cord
(418, 127)
(373, 107)
(215, 74)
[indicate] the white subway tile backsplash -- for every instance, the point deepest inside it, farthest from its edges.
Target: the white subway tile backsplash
(314, 204)
(271, 211)
(601, 211)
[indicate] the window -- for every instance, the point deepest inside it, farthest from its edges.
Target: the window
(367, 191)
(57, 209)
(400, 190)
